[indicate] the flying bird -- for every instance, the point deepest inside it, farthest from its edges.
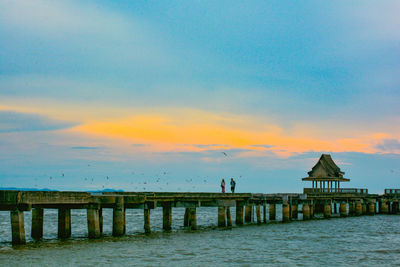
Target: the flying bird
(224, 154)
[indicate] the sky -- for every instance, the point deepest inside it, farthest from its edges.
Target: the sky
(176, 95)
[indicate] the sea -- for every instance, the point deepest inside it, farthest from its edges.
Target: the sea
(351, 241)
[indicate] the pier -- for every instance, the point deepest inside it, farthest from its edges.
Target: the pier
(323, 201)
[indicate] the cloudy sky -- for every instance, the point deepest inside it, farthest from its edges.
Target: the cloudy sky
(146, 95)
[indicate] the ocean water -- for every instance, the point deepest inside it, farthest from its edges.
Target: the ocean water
(352, 241)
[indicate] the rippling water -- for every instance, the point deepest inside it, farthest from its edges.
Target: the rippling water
(353, 241)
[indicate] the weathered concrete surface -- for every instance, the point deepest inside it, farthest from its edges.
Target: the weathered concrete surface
(272, 211)
(248, 213)
(119, 217)
(359, 208)
(186, 218)
(64, 223)
(239, 213)
(93, 220)
(221, 217)
(343, 209)
(371, 208)
(228, 217)
(327, 210)
(285, 212)
(192, 219)
(295, 211)
(167, 216)
(37, 223)
(264, 213)
(306, 212)
(146, 214)
(17, 227)
(258, 214)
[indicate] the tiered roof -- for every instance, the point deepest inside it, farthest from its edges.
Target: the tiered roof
(325, 169)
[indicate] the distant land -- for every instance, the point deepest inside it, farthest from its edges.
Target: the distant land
(47, 189)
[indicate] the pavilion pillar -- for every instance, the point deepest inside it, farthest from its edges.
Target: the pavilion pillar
(264, 213)
(93, 220)
(306, 211)
(327, 209)
(64, 223)
(272, 211)
(186, 218)
(295, 210)
(192, 218)
(239, 213)
(359, 208)
(167, 216)
(258, 214)
(37, 223)
(228, 217)
(118, 217)
(146, 213)
(221, 217)
(17, 227)
(285, 211)
(248, 210)
(371, 208)
(343, 209)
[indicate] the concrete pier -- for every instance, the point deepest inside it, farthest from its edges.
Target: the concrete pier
(17, 227)
(343, 209)
(101, 220)
(239, 213)
(295, 211)
(118, 217)
(228, 217)
(248, 212)
(272, 211)
(146, 215)
(364, 208)
(258, 214)
(371, 208)
(264, 213)
(352, 208)
(192, 219)
(37, 223)
(221, 217)
(186, 218)
(285, 212)
(359, 208)
(306, 211)
(327, 210)
(93, 220)
(64, 223)
(167, 216)
(383, 207)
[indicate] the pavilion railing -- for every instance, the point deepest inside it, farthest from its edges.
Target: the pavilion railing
(337, 190)
(392, 191)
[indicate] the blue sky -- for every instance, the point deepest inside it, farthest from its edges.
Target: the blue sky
(121, 88)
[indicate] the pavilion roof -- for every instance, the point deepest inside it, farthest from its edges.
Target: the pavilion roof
(325, 169)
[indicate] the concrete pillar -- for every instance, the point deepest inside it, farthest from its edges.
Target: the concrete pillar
(384, 207)
(118, 217)
(295, 211)
(186, 218)
(37, 223)
(371, 208)
(334, 207)
(221, 217)
(146, 214)
(192, 218)
(364, 208)
(93, 220)
(101, 220)
(352, 208)
(64, 223)
(343, 209)
(17, 227)
(248, 210)
(359, 208)
(327, 210)
(312, 210)
(258, 214)
(239, 213)
(285, 212)
(272, 211)
(306, 211)
(264, 213)
(167, 216)
(228, 217)
(395, 207)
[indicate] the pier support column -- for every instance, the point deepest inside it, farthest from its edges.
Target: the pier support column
(306, 211)
(239, 213)
(285, 212)
(17, 227)
(221, 217)
(352, 208)
(343, 209)
(167, 216)
(248, 213)
(93, 220)
(258, 214)
(64, 223)
(192, 219)
(146, 214)
(101, 220)
(371, 208)
(118, 217)
(327, 210)
(264, 213)
(312, 210)
(37, 223)
(228, 217)
(359, 208)
(295, 211)
(186, 218)
(334, 208)
(364, 208)
(272, 211)
(383, 207)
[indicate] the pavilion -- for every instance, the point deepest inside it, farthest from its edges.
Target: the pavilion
(328, 174)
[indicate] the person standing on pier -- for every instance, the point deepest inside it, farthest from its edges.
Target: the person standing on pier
(223, 185)
(233, 184)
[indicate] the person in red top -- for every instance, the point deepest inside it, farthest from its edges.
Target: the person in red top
(223, 186)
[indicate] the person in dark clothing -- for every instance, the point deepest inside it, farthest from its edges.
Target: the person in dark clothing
(223, 185)
(233, 185)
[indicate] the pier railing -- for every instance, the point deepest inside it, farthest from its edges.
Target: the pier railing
(392, 191)
(358, 191)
